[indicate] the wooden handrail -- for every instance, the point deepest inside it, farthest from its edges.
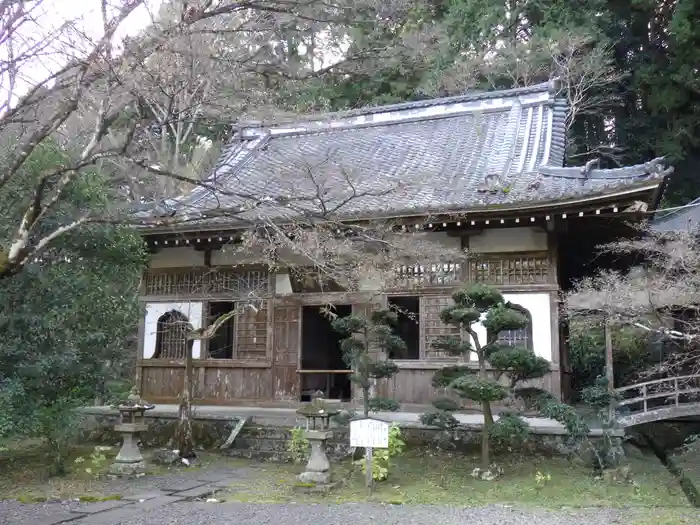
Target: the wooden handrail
(674, 393)
(660, 395)
(656, 382)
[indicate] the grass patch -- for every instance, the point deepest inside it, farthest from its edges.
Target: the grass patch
(446, 480)
(26, 468)
(27, 476)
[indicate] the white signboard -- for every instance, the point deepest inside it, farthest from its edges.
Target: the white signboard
(369, 433)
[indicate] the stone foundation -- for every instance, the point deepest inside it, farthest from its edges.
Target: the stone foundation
(269, 441)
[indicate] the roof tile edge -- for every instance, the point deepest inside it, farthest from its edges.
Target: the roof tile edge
(407, 111)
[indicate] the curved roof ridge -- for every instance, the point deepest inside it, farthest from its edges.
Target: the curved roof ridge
(255, 128)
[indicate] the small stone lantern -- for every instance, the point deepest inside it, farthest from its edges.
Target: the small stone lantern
(129, 461)
(317, 431)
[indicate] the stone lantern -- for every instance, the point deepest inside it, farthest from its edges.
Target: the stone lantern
(317, 431)
(129, 461)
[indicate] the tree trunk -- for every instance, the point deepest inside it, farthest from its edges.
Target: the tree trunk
(488, 419)
(183, 432)
(485, 431)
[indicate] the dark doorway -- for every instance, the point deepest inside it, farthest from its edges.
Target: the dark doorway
(407, 326)
(320, 350)
(221, 344)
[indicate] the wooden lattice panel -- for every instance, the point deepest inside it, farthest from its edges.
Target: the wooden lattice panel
(207, 281)
(432, 328)
(251, 334)
(171, 337)
(444, 274)
(175, 282)
(238, 282)
(522, 268)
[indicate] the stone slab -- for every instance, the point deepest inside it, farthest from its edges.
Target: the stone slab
(55, 518)
(145, 496)
(198, 492)
(157, 502)
(101, 506)
(179, 486)
(111, 517)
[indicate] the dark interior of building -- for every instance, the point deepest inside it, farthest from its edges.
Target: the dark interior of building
(407, 326)
(320, 350)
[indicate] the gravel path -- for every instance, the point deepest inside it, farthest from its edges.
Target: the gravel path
(365, 514)
(301, 514)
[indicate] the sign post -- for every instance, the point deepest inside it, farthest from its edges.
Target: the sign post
(369, 433)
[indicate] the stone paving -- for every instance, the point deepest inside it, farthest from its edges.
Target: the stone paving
(113, 512)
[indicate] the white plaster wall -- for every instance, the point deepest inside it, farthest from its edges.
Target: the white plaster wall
(231, 255)
(177, 257)
(193, 311)
(283, 284)
(523, 239)
(539, 306)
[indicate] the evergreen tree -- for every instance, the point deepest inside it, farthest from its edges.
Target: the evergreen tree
(365, 336)
(483, 304)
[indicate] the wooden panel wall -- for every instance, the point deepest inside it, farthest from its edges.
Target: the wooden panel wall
(214, 385)
(413, 385)
(229, 385)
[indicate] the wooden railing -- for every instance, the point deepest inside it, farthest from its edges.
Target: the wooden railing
(660, 399)
(497, 268)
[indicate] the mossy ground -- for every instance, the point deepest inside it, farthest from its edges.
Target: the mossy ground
(27, 476)
(653, 497)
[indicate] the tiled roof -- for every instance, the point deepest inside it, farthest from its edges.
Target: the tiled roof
(459, 153)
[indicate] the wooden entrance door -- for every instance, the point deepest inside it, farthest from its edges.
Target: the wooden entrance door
(287, 340)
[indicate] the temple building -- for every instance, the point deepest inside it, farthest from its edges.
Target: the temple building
(481, 172)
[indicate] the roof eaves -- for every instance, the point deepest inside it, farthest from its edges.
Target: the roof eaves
(627, 190)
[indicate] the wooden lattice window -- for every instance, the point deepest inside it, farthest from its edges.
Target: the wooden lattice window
(243, 335)
(521, 337)
(238, 282)
(515, 268)
(251, 333)
(432, 327)
(202, 281)
(443, 274)
(175, 282)
(171, 336)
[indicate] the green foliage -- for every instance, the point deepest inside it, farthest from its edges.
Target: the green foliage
(565, 414)
(362, 335)
(453, 345)
(479, 296)
(479, 388)
(448, 374)
(439, 418)
(632, 353)
(298, 445)
(502, 317)
(67, 322)
(509, 432)
(446, 404)
(519, 363)
(381, 458)
(383, 404)
(95, 461)
(474, 303)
